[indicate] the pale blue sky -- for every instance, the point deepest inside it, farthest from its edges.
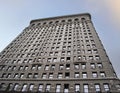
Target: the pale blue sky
(15, 15)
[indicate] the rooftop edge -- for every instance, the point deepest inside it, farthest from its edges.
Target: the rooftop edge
(60, 17)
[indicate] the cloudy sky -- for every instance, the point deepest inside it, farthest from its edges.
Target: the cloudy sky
(15, 15)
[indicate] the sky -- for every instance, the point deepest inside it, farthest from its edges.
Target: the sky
(15, 15)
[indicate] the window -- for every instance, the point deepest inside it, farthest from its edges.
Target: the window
(89, 51)
(47, 67)
(69, 43)
(84, 75)
(51, 75)
(44, 76)
(21, 75)
(56, 21)
(35, 75)
(97, 57)
(94, 74)
(56, 53)
(33, 67)
(97, 87)
(39, 67)
(29, 75)
(83, 66)
(92, 65)
(9, 87)
(67, 75)
(60, 75)
(26, 68)
(39, 60)
(85, 86)
(2, 86)
(68, 53)
(51, 53)
(3, 75)
(100, 65)
(77, 75)
(25, 61)
(69, 47)
(52, 67)
(24, 88)
(57, 48)
(9, 74)
(16, 75)
(93, 46)
(58, 87)
(40, 87)
(61, 67)
(84, 58)
(63, 52)
(118, 86)
(42, 53)
(21, 68)
(79, 57)
(62, 59)
(76, 66)
(16, 87)
(54, 59)
(63, 21)
(102, 74)
(67, 66)
(77, 88)
(9, 68)
(106, 87)
(2, 67)
(90, 57)
(31, 87)
(88, 46)
(95, 51)
(48, 87)
(14, 67)
(52, 48)
(78, 51)
(19, 61)
(14, 61)
(76, 19)
(68, 58)
(30, 61)
(64, 47)
(66, 88)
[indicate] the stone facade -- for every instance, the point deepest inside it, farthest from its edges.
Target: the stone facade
(60, 54)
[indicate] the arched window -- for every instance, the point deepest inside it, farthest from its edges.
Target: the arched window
(16, 87)
(31, 87)
(83, 19)
(2, 86)
(40, 88)
(9, 87)
(63, 21)
(24, 88)
(33, 25)
(69, 20)
(56, 21)
(50, 22)
(38, 24)
(76, 19)
(44, 23)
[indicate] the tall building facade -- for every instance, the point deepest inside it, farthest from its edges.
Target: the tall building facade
(59, 55)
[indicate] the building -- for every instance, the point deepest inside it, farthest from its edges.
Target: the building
(59, 55)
